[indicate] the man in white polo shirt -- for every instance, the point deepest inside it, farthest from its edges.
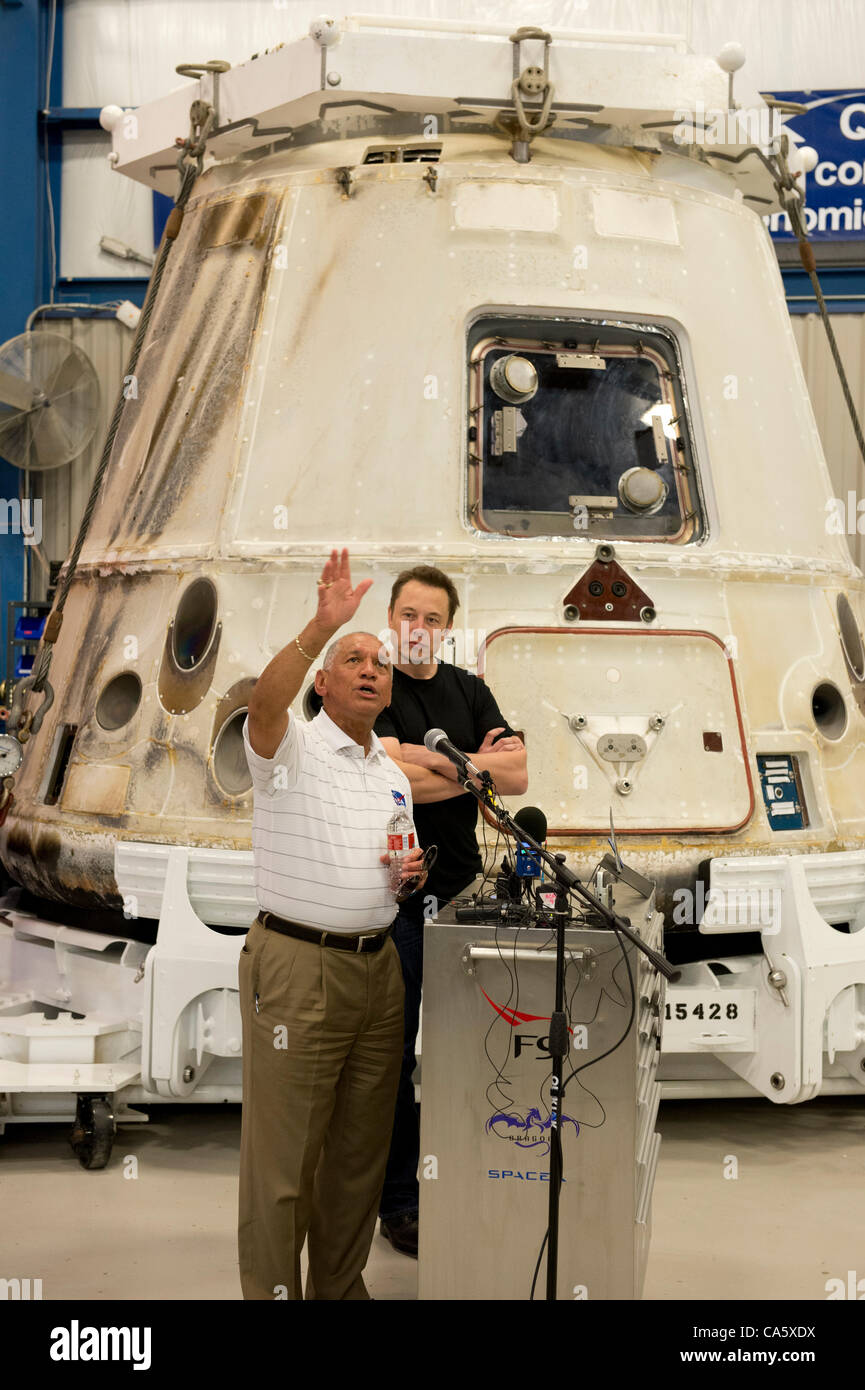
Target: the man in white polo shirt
(321, 989)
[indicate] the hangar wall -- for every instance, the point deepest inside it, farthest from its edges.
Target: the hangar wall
(127, 54)
(836, 432)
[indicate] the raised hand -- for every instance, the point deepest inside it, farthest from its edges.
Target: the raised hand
(337, 600)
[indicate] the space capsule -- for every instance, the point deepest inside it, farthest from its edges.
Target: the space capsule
(490, 302)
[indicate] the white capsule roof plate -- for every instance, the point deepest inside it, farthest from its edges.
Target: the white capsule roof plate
(616, 80)
(640, 216)
(508, 207)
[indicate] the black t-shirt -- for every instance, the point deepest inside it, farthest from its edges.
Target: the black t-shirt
(462, 705)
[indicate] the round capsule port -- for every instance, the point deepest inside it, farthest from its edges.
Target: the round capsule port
(119, 700)
(230, 767)
(194, 625)
(829, 710)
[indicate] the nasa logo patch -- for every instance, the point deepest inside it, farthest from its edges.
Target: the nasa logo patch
(398, 797)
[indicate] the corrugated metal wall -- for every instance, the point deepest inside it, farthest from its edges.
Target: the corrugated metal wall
(64, 491)
(833, 421)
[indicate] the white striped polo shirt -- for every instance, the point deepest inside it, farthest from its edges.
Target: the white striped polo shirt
(319, 827)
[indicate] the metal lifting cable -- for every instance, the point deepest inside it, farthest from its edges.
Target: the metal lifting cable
(790, 196)
(22, 724)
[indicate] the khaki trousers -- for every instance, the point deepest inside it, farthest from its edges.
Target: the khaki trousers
(321, 1062)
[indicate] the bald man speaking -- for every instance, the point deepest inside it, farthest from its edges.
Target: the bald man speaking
(321, 988)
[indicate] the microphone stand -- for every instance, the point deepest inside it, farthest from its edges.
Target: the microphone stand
(568, 883)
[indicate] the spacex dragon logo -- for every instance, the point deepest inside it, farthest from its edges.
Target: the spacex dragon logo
(529, 1131)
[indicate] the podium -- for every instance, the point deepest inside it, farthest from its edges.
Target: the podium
(484, 1156)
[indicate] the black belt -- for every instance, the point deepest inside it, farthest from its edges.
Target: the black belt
(338, 940)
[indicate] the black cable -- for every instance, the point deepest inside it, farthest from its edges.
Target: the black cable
(541, 911)
(499, 1075)
(590, 1063)
(618, 1043)
(515, 985)
(538, 1265)
(570, 961)
(582, 1124)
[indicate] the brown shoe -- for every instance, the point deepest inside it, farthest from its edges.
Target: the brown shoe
(401, 1231)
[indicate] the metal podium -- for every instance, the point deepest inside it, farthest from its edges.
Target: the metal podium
(484, 1166)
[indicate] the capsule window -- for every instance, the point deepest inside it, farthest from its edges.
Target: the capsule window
(579, 428)
(194, 625)
(829, 710)
(119, 701)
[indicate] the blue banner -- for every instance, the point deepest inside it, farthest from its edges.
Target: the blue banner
(834, 125)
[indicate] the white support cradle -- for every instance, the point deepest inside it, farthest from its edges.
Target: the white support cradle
(804, 995)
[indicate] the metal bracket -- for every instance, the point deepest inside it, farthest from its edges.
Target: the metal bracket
(532, 82)
(621, 748)
(203, 120)
(214, 66)
(644, 886)
(777, 979)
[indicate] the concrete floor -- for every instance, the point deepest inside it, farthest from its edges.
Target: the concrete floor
(793, 1218)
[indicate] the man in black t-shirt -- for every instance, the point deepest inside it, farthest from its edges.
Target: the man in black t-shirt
(429, 694)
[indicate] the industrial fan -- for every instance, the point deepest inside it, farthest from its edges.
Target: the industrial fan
(49, 400)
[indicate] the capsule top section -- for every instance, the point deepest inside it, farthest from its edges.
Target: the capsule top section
(361, 75)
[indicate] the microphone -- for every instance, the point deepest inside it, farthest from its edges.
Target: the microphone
(534, 822)
(437, 741)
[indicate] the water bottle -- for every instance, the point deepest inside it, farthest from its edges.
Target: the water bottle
(401, 839)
